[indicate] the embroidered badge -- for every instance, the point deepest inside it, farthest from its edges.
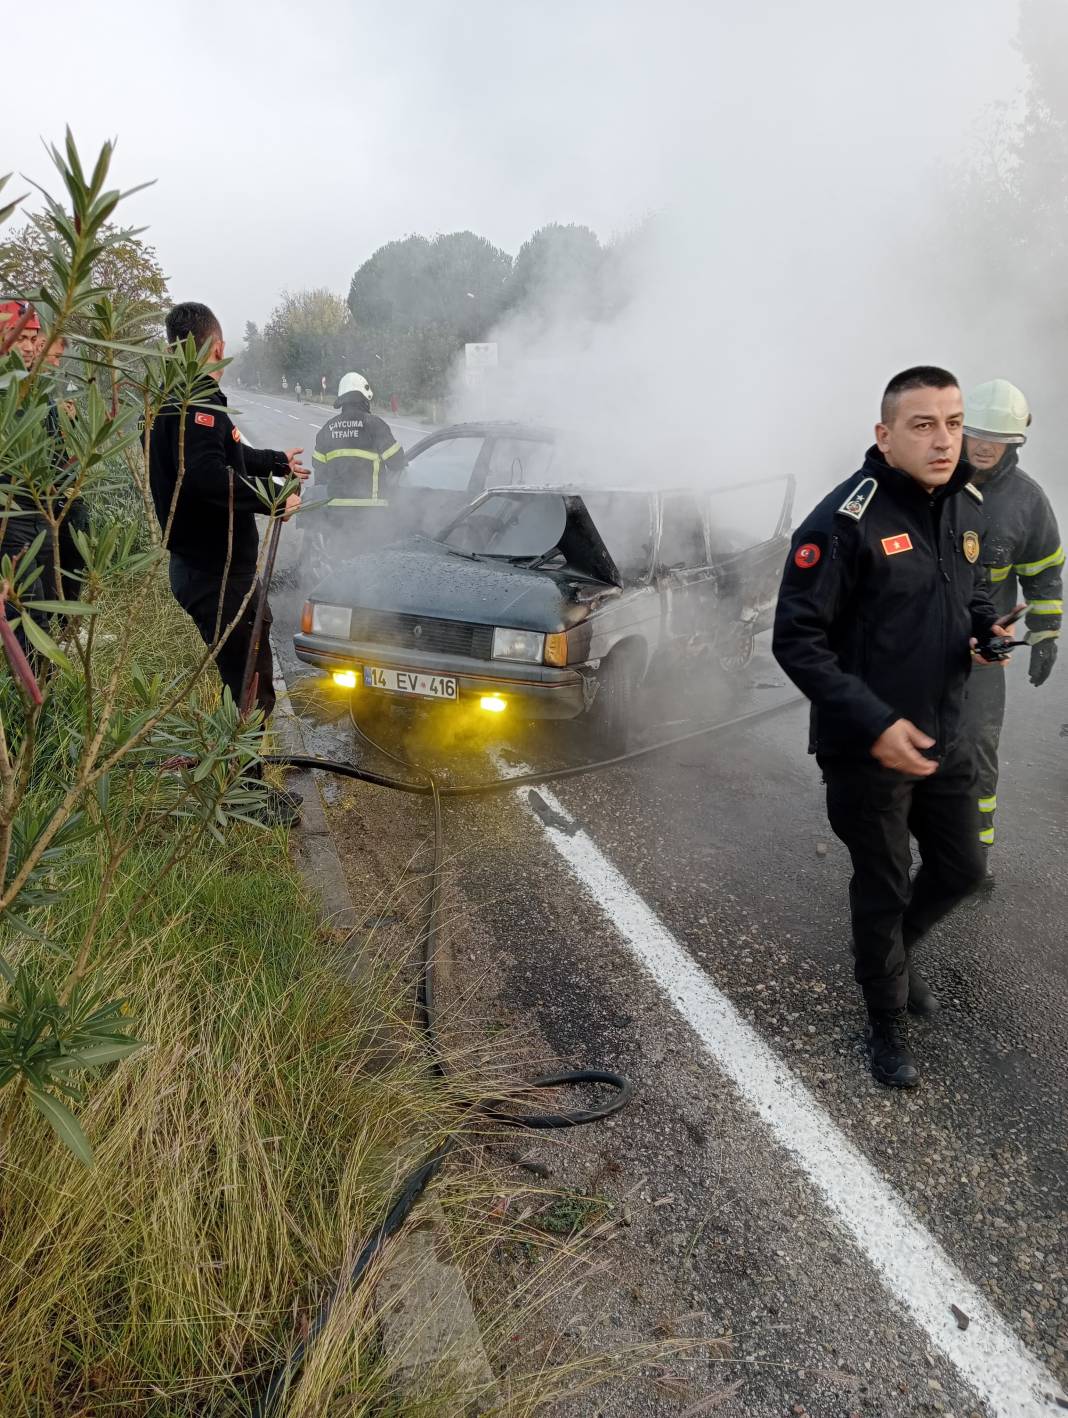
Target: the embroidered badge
(970, 543)
(807, 555)
(856, 504)
(207, 420)
(893, 545)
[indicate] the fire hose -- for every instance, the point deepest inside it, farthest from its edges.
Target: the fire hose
(426, 783)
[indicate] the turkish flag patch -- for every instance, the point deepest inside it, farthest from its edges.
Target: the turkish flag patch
(893, 545)
(236, 435)
(206, 420)
(807, 555)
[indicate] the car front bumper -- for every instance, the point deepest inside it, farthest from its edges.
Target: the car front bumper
(536, 691)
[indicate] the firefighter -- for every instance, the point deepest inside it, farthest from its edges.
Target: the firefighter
(357, 462)
(881, 611)
(1020, 541)
(213, 564)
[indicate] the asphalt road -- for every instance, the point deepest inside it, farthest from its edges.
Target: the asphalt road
(692, 931)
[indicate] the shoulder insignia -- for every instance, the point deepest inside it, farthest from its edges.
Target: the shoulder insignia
(858, 501)
(207, 420)
(971, 487)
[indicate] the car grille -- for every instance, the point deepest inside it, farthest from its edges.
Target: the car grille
(416, 632)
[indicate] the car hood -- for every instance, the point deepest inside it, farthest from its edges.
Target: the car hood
(426, 579)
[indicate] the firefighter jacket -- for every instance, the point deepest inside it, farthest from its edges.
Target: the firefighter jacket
(1021, 540)
(218, 485)
(882, 591)
(357, 460)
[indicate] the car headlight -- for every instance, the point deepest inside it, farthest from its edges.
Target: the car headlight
(331, 620)
(526, 645)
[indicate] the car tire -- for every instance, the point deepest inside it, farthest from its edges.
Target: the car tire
(737, 654)
(611, 716)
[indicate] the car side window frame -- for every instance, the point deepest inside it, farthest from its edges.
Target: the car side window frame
(702, 516)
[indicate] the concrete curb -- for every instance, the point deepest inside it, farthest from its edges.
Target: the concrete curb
(427, 1321)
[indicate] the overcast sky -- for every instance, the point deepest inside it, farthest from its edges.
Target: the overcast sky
(289, 142)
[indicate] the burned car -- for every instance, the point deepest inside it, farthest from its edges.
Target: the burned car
(446, 470)
(549, 602)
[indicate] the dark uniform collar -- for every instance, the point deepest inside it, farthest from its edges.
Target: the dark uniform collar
(907, 489)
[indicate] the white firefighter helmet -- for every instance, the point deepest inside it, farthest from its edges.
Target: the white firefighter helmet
(997, 411)
(353, 383)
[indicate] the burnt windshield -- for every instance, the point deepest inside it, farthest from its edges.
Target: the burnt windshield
(513, 526)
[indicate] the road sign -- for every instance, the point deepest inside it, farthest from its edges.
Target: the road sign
(480, 356)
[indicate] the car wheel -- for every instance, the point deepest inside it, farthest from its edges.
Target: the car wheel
(737, 653)
(612, 711)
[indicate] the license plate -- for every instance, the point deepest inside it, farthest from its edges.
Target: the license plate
(410, 682)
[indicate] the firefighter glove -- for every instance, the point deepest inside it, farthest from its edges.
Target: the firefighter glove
(1042, 657)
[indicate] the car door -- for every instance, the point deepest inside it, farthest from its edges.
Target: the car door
(684, 577)
(749, 536)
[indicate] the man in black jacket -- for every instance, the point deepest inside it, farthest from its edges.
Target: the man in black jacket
(880, 615)
(208, 516)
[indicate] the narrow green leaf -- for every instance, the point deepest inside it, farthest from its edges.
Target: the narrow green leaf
(64, 607)
(41, 640)
(96, 1055)
(64, 1124)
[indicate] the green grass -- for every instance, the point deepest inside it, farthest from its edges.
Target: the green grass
(239, 1157)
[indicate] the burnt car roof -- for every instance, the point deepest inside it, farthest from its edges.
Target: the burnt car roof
(489, 428)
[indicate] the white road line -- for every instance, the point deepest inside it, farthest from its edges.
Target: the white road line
(911, 1263)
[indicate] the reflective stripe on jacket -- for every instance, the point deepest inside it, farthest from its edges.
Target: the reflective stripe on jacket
(353, 449)
(1022, 543)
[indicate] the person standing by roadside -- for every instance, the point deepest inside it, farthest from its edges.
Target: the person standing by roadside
(881, 612)
(358, 461)
(70, 511)
(1021, 540)
(208, 517)
(21, 523)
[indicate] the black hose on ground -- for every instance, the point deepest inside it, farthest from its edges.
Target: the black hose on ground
(416, 1183)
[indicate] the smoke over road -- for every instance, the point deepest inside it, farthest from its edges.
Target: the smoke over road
(821, 217)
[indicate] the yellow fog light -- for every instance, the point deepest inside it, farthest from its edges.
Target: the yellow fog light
(493, 704)
(345, 678)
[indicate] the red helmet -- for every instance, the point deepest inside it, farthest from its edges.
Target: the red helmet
(14, 310)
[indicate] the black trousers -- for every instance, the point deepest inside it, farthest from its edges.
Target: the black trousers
(984, 715)
(873, 810)
(199, 593)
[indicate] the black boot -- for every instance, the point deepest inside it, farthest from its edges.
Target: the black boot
(989, 881)
(922, 999)
(887, 1041)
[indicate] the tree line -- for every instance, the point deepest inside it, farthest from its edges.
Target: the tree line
(415, 303)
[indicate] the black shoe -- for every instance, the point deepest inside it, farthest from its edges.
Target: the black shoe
(887, 1039)
(922, 999)
(989, 881)
(288, 796)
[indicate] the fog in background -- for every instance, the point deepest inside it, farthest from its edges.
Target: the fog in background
(796, 169)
